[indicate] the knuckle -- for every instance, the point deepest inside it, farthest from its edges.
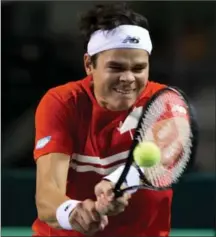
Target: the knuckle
(110, 185)
(87, 204)
(113, 207)
(121, 209)
(91, 209)
(97, 187)
(73, 216)
(79, 206)
(119, 201)
(87, 201)
(107, 184)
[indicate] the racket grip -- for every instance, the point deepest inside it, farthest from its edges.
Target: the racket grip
(118, 193)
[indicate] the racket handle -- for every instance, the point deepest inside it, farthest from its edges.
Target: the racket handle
(118, 193)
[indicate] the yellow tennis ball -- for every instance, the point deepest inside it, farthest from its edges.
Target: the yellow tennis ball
(147, 154)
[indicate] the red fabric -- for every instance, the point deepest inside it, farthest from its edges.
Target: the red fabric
(78, 125)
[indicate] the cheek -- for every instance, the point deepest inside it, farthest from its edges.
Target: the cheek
(103, 82)
(109, 80)
(142, 80)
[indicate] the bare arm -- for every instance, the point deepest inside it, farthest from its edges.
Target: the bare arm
(52, 171)
(53, 206)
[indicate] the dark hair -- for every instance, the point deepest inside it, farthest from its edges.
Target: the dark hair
(107, 17)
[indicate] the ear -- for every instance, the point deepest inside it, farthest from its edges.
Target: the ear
(87, 64)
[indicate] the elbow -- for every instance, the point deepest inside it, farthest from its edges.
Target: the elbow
(46, 215)
(44, 212)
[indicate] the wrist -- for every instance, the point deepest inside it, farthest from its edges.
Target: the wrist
(114, 176)
(63, 213)
(131, 179)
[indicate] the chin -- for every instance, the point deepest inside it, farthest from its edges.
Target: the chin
(120, 106)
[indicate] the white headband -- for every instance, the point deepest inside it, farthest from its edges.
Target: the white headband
(124, 36)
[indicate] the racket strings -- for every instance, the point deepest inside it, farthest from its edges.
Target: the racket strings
(171, 110)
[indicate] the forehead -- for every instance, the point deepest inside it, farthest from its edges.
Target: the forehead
(124, 56)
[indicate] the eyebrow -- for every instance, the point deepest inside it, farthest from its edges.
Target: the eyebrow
(118, 64)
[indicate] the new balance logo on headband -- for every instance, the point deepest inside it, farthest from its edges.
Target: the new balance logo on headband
(132, 40)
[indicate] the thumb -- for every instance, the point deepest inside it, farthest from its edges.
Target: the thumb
(104, 187)
(104, 222)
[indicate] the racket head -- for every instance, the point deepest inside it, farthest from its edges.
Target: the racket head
(172, 100)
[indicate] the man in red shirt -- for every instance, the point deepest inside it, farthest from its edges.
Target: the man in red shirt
(84, 130)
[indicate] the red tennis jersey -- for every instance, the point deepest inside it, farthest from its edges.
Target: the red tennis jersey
(69, 120)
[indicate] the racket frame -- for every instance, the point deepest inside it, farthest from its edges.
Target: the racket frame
(130, 161)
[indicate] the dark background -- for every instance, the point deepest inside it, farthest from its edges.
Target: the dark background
(41, 49)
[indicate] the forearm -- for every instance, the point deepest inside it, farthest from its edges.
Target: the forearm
(48, 201)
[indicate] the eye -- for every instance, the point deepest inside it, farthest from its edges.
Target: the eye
(115, 68)
(138, 70)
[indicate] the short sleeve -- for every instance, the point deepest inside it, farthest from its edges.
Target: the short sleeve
(54, 124)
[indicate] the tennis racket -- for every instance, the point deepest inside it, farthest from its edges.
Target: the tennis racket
(169, 121)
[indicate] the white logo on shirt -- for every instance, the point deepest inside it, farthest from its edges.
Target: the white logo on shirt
(43, 142)
(131, 121)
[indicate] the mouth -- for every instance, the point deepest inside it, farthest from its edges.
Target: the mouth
(124, 92)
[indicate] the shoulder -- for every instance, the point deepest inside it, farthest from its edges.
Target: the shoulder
(69, 91)
(67, 94)
(153, 87)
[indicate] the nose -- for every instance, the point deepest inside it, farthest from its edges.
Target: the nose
(127, 77)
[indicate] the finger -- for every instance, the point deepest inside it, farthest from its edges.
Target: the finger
(105, 188)
(105, 209)
(101, 209)
(108, 192)
(86, 218)
(94, 227)
(121, 209)
(127, 195)
(104, 200)
(95, 215)
(121, 203)
(89, 207)
(78, 227)
(82, 217)
(104, 222)
(76, 220)
(124, 200)
(109, 206)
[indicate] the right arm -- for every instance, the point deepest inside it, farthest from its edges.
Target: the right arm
(53, 149)
(51, 181)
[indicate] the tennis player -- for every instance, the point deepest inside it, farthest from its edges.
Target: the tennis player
(84, 130)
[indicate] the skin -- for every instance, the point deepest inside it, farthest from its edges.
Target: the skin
(116, 71)
(106, 204)
(51, 179)
(119, 78)
(52, 170)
